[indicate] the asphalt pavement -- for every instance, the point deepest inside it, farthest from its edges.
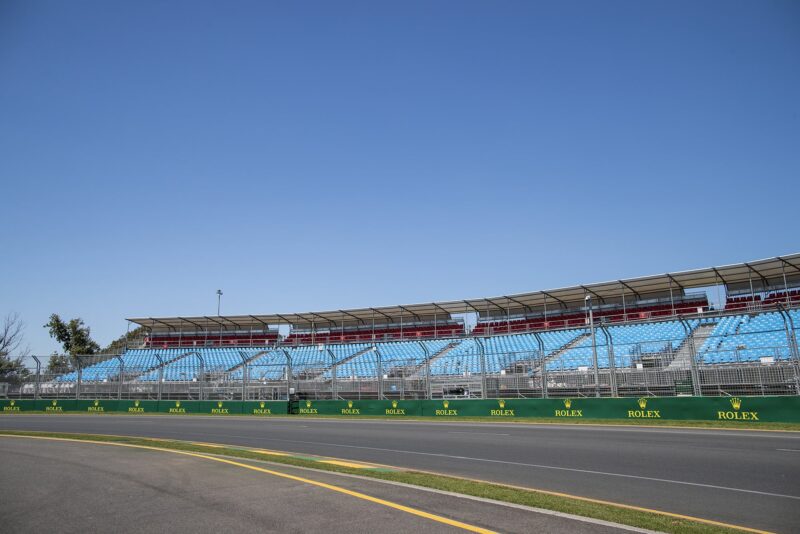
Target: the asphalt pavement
(746, 478)
(58, 486)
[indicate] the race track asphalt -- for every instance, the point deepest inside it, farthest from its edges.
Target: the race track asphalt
(746, 478)
(58, 486)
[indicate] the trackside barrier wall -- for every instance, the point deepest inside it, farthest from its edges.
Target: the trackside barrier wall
(778, 409)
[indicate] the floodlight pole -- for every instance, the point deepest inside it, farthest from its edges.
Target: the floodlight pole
(219, 300)
(588, 300)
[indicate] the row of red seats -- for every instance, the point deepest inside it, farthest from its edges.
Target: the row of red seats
(378, 335)
(578, 320)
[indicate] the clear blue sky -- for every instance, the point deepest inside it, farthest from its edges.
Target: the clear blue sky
(323, 155)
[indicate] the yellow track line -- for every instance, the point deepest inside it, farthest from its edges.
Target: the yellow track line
(435, 473)
(356, 494)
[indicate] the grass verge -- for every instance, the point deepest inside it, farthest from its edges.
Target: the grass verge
(666, 423)
(617, 513)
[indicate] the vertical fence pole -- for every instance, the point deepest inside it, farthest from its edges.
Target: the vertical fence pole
(288, 373)
(121, 376)
(588, 300)
(38, 377)
(380, 371)
(160, 373)
(80, 376)
(482, 351)
(202, 377)
(334, 371)
(696, 389)
(788, 325)
(542, 363)
(245, 372)
(427, 363)
(612, 364)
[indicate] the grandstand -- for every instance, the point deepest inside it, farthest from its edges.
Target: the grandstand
(656, 335)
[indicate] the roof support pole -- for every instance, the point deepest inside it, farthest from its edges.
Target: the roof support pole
(160, 373)
(697, 391)
(612, 364)
(542, 366)
(428, 389)
(671, 299)
(785, 285)
(121, 376)
(482, 351)
(245, 373)
(38, 377)
(288, 373)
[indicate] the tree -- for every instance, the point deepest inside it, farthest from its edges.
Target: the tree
(121, 343)
(12, 352)
(75, 337)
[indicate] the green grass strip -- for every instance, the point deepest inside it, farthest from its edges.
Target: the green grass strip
(539, 499)
(673, 423)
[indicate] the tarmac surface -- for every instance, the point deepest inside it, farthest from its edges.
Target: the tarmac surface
(746, 478)
(58, 486)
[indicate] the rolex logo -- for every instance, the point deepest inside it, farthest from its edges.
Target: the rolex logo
(446, 404)
(136, 403)
(97, 402)
(262, 404)
(736, 402)
(642, 403)
(502, 403)
(13, 402)
(567, 403)
(394, 404)
(177, 404)
(349, 404)
(54, 402)
(219, 404)
(308, 404)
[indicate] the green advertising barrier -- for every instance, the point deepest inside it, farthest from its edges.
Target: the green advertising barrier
(265, 408)
(177, 407)
(785, 409)
(96, 406)
(137, 406)
(55, 405)
(219, 407)
(17, 405)
(394, 408)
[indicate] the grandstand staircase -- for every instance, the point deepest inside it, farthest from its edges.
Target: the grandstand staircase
(572, 344)
(353, 356)
(249, 360)
(421, 367)
(683, 356)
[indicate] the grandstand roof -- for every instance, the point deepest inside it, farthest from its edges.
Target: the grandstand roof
(761, 275)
